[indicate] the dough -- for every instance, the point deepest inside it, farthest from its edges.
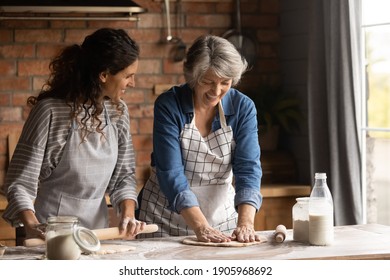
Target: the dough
(113, 248)
(192, 240)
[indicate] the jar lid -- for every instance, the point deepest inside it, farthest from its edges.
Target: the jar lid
(303, 199)
(86, 239)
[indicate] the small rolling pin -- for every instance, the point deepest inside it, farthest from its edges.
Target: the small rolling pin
(102, 234)
(280, 233)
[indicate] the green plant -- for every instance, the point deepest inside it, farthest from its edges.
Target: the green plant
(276, 107)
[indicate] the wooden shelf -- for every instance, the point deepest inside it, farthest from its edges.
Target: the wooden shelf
(284, 190)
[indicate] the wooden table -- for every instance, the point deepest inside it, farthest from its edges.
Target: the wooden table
(371, 241)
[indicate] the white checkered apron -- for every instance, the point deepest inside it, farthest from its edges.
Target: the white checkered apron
(207, 166)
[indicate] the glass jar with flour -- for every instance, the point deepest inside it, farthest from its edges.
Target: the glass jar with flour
(300, 215)
(66, 240)
(321, 226)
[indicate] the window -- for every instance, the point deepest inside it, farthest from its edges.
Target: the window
(376, 123)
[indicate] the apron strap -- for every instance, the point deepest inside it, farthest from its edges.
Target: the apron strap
(222, 118)
(106, 115)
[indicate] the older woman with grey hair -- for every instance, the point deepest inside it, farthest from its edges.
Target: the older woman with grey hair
(205, 133)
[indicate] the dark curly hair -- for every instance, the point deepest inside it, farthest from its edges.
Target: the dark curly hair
(75, 71)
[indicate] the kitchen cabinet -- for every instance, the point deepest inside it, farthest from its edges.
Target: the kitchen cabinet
(278, 200)
(279, 189)
(7, 232)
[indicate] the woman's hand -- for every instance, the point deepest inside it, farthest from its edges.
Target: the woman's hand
(32, 227)
(198, 222)
(128, 224)
(245, 231)
(208, 234)
(35, 230)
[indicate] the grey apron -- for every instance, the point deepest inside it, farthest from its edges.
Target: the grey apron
(207, 165)
(78, 184)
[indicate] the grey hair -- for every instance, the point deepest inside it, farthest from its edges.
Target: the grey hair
(215, 53)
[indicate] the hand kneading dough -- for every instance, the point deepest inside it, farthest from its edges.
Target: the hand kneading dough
(113, 248)
(192, 240)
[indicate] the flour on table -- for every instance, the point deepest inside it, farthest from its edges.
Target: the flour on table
(113, 248)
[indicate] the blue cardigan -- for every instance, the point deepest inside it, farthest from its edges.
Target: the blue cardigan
(173, 109)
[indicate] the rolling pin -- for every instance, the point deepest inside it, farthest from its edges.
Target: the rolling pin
(102, 234)
(280, 233)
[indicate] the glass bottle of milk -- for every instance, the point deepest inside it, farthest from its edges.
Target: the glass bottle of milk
(321, 227)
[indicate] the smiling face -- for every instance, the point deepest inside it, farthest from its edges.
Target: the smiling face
(211, 89)
(114, 86)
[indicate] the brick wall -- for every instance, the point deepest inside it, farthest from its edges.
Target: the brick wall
(26, 47)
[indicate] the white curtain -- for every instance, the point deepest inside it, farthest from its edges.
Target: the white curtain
(334, 85)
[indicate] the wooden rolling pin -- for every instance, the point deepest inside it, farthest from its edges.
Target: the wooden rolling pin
(280, 233)
(102, 234)
(113, 233)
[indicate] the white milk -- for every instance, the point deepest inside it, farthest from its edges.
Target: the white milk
(321, 231)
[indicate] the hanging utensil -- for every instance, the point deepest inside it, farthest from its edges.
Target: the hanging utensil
(169, 34)
(243, 42)
(179, 49)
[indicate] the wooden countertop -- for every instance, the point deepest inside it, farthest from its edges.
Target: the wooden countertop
(371, 241)
(3, 202)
